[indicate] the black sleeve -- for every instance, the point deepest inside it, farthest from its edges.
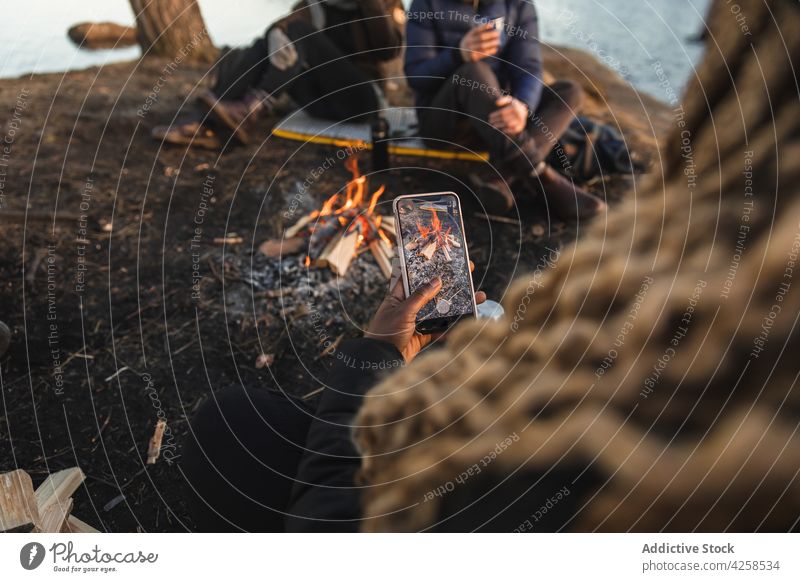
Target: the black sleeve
(325, 497)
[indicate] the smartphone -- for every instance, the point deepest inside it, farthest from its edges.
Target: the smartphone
(431, 243)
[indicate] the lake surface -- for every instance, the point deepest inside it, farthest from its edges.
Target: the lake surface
(631, 36)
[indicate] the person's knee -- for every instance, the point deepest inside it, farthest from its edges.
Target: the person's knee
(570, 93)
(298, 29)
(478, 71)
(476, 77)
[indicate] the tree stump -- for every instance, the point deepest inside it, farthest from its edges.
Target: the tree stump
(174, 29)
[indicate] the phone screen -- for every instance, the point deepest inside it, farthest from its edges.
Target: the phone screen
(433, 245)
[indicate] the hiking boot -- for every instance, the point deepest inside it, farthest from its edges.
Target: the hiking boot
(5, 338)
(493, 193)
(565, 198)
(235, 114)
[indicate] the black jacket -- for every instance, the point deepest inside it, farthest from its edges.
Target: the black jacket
(326, 498)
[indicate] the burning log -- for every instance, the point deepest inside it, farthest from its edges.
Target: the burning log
(433, 238)
(341, 229)
(292, 231)
(340, 253)
(428, 251)
(446, 252)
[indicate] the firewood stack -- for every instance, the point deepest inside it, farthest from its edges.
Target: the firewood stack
(45, 510)
(345, 226)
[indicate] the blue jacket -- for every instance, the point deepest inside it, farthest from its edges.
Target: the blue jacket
(435, 29)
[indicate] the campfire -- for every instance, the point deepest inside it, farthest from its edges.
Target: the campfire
(433, 238)
(345, 226)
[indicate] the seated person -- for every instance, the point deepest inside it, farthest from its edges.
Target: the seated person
(325, 54)
(476, 70)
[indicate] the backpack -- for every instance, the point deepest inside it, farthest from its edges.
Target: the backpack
(589, 150)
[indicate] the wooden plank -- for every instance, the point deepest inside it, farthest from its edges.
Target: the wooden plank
(276, 247)
(75, 525)
(322, 258)
(299, 225)
(154, 446)
(58, 488)
(18, 509)
(383, 261)
(387, 224)
(339, 258)
(388, 249)
(428, 251)
(447, 256)
(494, 218)
(54, 516)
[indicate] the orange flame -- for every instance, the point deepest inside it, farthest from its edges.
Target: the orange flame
(348, 209)
(327, 208)
(385, 238)
(374, 201)
(423, 230)
(435, 223)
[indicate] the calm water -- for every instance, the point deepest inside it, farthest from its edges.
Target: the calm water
(628, 35)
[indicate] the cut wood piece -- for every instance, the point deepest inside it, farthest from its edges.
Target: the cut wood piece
(58, 488)
(276, 247)
(387, 224)
(228, 240)
(428, 251)
(387, 248)
(154, 447)
(323, 237)
(75, 525)
(342, 253)
(54, 517)
(494, 218)
(299, 225)
(446, 251)
(384, 262)
(18, 509)
(322, 257)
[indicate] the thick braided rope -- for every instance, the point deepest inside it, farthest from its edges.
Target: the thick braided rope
(709, 441)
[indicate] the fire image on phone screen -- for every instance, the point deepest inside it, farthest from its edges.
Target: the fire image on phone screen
(433, 245)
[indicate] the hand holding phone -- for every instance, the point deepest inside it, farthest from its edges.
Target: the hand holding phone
(431, 243)
(396, 318)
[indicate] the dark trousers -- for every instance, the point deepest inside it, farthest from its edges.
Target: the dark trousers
(323, 81)
(241, 457)
(460, 110)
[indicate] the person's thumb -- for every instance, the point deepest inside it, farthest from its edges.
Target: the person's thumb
(421, 296)
(504, 100)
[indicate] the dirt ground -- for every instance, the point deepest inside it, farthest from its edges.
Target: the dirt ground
(124, 310)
